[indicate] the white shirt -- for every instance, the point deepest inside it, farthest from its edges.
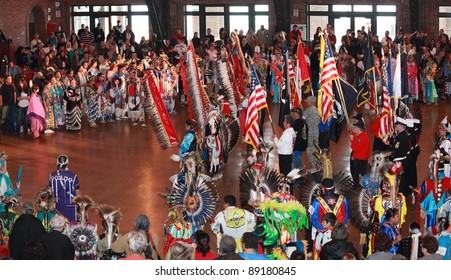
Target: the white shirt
(286, 142)
(233, 221)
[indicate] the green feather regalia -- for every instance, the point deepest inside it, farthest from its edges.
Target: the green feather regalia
(284, 216)
(278, 254)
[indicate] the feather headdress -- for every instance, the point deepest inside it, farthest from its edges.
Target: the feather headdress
(83, 203)
(226, 82)
(84, 240)
(45, 200)
(197, 96)
(200, 200)
(111, 215)
(255, 188)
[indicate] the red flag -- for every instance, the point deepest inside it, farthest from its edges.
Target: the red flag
(256, 102)
(303, 74)
(160, 118)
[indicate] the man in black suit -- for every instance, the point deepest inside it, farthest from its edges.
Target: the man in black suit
(58, 245)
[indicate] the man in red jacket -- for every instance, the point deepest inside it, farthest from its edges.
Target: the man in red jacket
(360, 145)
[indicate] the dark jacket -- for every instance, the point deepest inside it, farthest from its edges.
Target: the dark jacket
(26, 228)
(301, 129)
(335, 249)
(58, 246)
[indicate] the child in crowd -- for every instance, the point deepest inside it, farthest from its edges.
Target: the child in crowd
(328, 223)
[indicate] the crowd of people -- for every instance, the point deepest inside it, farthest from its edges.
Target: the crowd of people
(54, 85)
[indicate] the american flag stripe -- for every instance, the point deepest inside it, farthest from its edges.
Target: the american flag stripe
(290, 70)
(386, 124)
(328, 74)
(257, 102)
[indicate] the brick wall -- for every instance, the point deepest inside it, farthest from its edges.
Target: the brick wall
(15, 14)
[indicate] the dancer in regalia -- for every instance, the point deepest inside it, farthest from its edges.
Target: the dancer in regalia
(74, 106)
(36, 112)
(93, 105)
(136, 100)
(65, 187)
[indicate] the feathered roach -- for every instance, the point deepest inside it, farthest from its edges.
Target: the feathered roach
(111, 215)
(45, 200)
(83, 204)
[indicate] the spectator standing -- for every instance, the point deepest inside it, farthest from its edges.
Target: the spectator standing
(99, 35)
(285, 145)
(196, 40)
(13, 69)
(119, 27)
(7, 103)
(59, 33)
(262, 35)
(87, 37)
(295, 34)
(81, 30)
(312, 119)
(301, 142)
(35, 42)
(52, 40)
(128, 35)
(209, 36)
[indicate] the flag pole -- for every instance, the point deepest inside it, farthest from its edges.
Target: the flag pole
(270, 120)
(376, 104)
(267, 108)
(236, 40)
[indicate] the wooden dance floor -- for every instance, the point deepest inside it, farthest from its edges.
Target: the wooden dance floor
(124, 166)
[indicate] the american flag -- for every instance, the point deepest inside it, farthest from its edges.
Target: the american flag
(290, 70)
(256, 102)
(328, 74)
(385, 119)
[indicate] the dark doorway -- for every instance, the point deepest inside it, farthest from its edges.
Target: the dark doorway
(36, 24)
